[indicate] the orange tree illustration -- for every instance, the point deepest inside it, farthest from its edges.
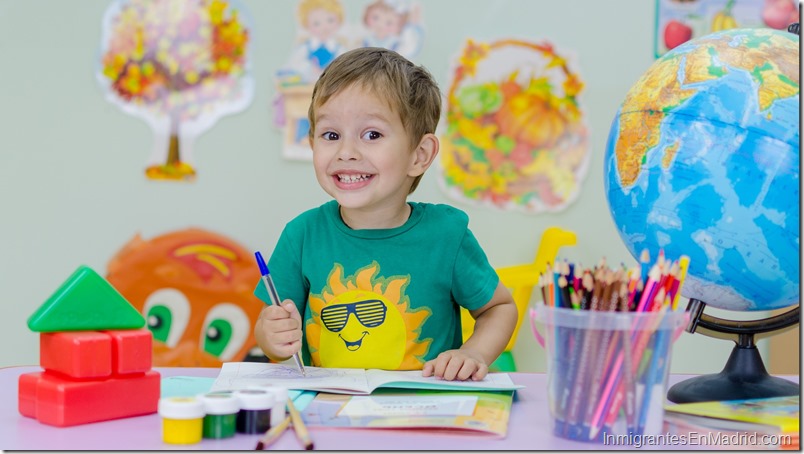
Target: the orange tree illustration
(175, 60)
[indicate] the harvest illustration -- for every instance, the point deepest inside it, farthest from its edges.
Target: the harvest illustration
(516, 136)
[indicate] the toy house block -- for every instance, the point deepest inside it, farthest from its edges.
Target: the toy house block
(85, 302)
(27, 394)
(131, 351)
(63, 402)
(78, 354)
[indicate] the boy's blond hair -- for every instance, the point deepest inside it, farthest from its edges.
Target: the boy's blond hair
(410, 90)
(333, 6)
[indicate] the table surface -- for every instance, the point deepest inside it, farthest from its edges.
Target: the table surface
(528, 427)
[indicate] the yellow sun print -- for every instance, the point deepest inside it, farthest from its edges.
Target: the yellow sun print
(365, 321)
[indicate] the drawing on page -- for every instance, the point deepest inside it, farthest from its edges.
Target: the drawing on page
(281, 371)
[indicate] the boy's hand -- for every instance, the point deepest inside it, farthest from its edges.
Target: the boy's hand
(459, 364)
(280, 330)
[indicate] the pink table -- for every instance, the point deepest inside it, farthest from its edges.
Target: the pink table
(529, 428)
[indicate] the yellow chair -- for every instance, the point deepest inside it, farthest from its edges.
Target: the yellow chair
(521, 279)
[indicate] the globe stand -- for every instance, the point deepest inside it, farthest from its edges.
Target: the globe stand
(744, 376)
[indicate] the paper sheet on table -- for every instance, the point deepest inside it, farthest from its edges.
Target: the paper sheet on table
(410, 405)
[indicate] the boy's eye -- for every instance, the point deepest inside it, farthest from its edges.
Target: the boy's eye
(329, 135)
(372, 135)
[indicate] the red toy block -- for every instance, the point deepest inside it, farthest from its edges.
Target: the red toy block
(78, 354)
(131, 351)
(27, 393)
(63, 402)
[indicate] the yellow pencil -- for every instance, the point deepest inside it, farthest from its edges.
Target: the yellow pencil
(272, 434)
(299, 427)
(683, 264)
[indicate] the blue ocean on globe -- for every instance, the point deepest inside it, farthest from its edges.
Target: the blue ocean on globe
(706, 165)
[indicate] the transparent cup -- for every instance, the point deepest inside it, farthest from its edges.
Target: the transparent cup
(607, 371)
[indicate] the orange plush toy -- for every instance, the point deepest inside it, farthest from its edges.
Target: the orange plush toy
(194, 289)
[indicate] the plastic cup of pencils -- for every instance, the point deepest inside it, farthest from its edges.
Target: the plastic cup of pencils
(607, 371)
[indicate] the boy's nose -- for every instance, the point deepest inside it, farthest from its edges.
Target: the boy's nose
(348, 152)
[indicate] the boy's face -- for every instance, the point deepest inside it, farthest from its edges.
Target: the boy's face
(322, 24)
(361, 152)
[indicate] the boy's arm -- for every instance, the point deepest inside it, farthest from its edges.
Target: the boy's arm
(494, 324)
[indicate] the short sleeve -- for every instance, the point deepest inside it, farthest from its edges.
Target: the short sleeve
(473, 278)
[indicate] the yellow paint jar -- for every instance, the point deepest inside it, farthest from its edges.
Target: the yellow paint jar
(182, 420)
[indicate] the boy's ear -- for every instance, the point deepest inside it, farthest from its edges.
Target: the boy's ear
(424, 155)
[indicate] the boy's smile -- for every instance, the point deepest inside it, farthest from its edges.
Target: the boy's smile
(349, 180)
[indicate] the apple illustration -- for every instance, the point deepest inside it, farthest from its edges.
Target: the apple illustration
(779, 14)
(675, 33)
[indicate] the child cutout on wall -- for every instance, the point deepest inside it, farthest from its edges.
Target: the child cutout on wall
(395, 25)
(370, 280)
(321, 21)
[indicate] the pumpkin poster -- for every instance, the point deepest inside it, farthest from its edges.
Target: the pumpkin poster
(323, 35)
(678, 21)
(180, 66)
(516, 137)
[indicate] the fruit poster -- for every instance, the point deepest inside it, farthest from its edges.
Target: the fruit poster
(324, 34)
(516, 136)
(180, 66)
(678, 21)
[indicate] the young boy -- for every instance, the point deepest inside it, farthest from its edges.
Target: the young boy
(370, 280)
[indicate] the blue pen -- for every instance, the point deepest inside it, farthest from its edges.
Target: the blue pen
(269, 285)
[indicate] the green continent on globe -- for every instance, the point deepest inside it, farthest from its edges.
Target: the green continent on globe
(763, 53)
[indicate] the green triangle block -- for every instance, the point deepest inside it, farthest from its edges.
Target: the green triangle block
(85, 302)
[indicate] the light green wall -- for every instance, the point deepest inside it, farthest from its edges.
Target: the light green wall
(71, 184)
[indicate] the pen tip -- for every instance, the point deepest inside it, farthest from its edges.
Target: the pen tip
(309, 447)
(259, 446)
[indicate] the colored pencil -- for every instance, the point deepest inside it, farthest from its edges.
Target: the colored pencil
(298, 426)
(272, 434)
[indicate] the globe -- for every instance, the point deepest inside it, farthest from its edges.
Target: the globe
(702, 160)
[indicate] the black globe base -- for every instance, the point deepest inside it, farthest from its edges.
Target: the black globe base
(744, 377)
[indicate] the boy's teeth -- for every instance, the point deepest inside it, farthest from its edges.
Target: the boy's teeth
(352, 178)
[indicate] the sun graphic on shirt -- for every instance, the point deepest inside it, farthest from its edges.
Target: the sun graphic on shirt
(365, 321)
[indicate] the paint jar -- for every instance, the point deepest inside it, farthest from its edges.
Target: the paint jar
(278, 411)
(255, 411)
(182, 419)
(221, 410)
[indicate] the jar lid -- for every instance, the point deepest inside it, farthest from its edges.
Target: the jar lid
(220, 403)
(280, 392)
(180, 408)
(254, 399)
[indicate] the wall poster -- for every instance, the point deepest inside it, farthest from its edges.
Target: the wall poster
(678, 21)
(516, 137)
(323, 35)
(179, 65)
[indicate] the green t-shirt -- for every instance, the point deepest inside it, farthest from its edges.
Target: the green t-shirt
(380, 298)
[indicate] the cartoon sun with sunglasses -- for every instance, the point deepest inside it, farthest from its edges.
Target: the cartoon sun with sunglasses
(365, 321)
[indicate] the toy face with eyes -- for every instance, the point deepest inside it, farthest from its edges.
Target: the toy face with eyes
(194, 289)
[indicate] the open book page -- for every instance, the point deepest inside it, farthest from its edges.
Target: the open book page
(243, 375)
(345, 381)
(412, 379)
